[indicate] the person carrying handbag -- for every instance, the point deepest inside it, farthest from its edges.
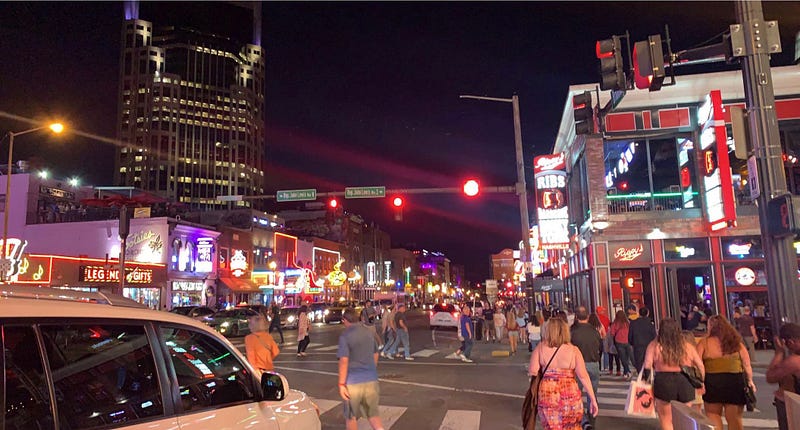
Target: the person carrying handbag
(558, 398)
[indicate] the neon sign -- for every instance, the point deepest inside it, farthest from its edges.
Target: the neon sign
(685, 251)
(205, 262)
(14, 249)
(97, 274)
(628, 254)
(745, 276)
(552, 212)
(238, 263)
(720, 210)
(623, 164)
(740, 250)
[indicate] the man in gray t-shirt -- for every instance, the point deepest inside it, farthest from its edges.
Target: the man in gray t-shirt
(358, 373)
(402, 335)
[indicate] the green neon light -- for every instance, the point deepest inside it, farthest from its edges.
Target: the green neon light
(644, 195)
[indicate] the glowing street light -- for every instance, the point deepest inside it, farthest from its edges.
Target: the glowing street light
(55, 128)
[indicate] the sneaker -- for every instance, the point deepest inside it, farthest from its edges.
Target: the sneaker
(458, 354)
(388, 357)
(466, 360)
(627, 376)
(299, 355)
(619, 373)
(409, 358)
(303, 354)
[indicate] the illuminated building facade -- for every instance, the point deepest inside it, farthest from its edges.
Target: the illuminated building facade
(191, 113)
(657, 216)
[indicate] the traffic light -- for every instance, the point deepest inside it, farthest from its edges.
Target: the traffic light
(612, 69)
(583, 113)
(648, 64)
(397, 203)
(471, 188)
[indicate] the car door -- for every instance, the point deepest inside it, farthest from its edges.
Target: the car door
(215, 389)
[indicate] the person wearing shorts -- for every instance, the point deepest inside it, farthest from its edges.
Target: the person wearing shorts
(358, 372)
(669, 386)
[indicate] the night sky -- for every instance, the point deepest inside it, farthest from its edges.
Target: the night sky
(362, 94)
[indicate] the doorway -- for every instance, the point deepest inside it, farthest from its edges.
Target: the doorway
(691, 296)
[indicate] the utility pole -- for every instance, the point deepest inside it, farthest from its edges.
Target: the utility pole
(522, 192)
(781, 260)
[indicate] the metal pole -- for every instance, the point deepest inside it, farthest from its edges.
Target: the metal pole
(780, 258)
(522, 191)
(4, 273)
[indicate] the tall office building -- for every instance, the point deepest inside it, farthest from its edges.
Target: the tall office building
(191, 110)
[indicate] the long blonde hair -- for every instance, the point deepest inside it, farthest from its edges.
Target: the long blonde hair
(556, 333)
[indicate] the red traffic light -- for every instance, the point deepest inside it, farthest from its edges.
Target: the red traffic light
(333, 203)
(397, 202)
(471, 188)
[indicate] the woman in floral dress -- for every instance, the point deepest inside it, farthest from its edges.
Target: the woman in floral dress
(560, 400)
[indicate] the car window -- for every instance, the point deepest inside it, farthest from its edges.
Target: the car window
(225, 314)
(444, 308)
(202, 311)
(209, 374)
(104, 374)
(27, 398)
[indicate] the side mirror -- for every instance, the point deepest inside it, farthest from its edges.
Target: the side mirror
(274, 386)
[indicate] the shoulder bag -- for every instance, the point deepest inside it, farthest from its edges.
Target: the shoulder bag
(693, 375)
(749, 395)
(531, 402)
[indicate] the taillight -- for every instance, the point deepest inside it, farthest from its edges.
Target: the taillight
(455, 314)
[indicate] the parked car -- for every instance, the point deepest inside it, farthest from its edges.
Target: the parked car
(318, 312)
(112, 362)
(289, 316)
(231, 322)
(194, 312)
(444, 316)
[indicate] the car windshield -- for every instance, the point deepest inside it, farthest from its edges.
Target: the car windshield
(318, 306)
(181, 310)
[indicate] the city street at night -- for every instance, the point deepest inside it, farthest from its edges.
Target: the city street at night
(437, 391)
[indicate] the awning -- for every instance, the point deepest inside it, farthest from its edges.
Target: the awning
(239, 285)
(548, 285)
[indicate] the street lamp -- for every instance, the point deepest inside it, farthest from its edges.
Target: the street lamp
(55, 128)
(522, 189)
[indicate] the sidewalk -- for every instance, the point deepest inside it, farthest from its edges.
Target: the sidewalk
(762, 357)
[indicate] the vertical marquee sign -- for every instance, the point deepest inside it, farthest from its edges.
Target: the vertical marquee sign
(550, 176)
(719, 208)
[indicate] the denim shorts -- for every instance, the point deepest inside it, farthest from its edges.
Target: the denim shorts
(363, 401)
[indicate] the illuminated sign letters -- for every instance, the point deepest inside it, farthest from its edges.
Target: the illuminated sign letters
(100, 274)
(238, 263)
(205, 262)
(550, 177)
(720, 210)
(628, 254)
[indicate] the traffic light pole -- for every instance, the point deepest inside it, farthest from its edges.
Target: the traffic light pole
(781, 260)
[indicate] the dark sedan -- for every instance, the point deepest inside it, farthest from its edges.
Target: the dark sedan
(231, 322)
(195, 312)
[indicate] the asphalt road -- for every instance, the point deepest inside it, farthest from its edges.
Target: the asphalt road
(436, 391)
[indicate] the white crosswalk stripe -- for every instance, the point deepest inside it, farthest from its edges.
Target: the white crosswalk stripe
(425, 353)
(453, 419)
(326, 348)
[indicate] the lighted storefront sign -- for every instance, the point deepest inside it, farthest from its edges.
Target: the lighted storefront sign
(100, 274)
(745, 276)
(685, 251)
(623, 164)
(35, 270)
(145, 246)
(337, 277)
(205, 261)
(238, 263)
(187, 286)
(739, 249)
(720, 210)
(628, 254)
(14, 248)
(371, 274)
(550, 177)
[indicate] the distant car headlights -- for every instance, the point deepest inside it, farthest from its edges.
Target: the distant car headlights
(225, 324)
(327, 312)
(290, 318)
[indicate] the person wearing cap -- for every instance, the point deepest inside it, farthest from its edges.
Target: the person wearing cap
(641, 332)
(784, 369)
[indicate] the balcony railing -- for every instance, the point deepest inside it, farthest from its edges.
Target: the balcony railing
(639, 202)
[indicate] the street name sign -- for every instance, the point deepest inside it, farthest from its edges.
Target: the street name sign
(296, 195)
(364, 192)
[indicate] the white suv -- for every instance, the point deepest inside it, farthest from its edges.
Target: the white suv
(90, 360)
(444, 315)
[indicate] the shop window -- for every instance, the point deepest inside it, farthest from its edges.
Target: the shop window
(742, 248)
(27, 399)
(686, 249)
(104, 374)
(209, 375)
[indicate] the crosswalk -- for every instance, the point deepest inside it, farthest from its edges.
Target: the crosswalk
(611, 399)
(290, 347)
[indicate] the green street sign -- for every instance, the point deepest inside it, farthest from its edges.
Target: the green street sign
(296, 195)
(364, 192)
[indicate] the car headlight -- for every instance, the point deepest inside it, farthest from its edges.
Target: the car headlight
(225, 324)
(290, 318)
(327, 312)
